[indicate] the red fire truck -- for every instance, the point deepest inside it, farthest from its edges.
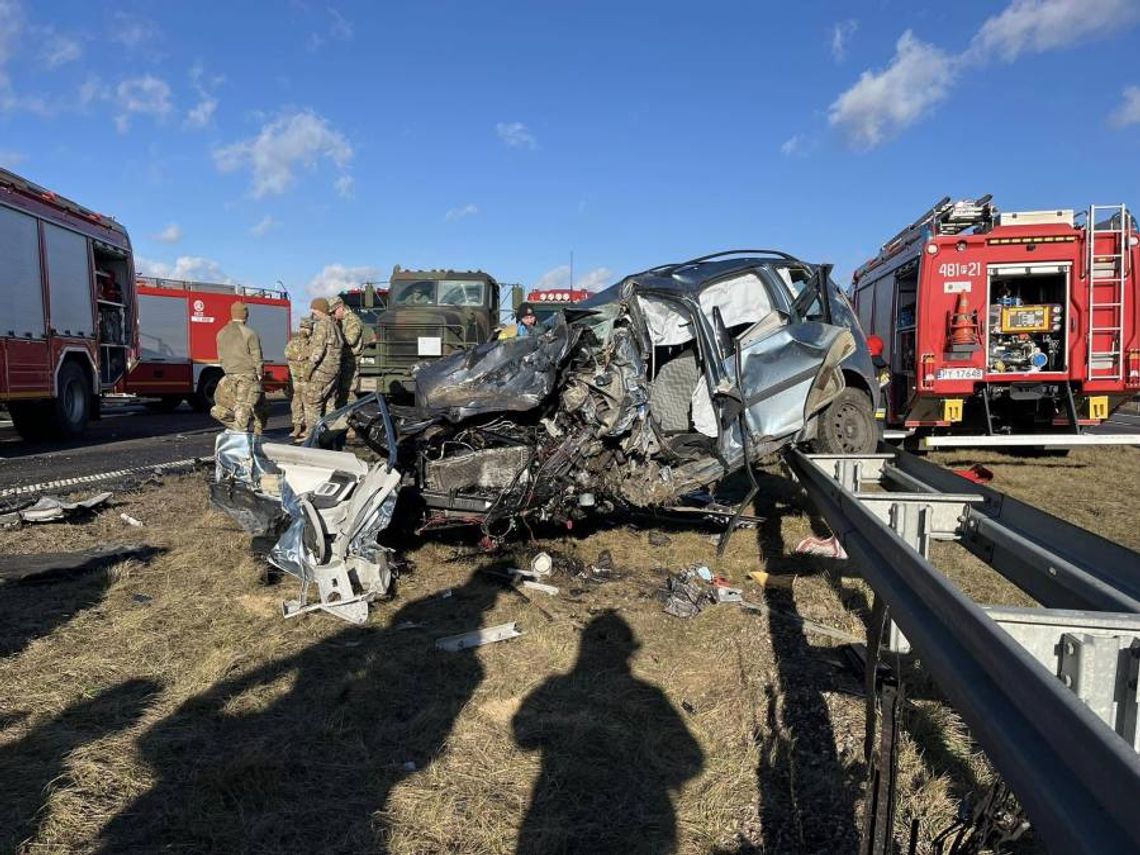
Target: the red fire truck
(547, 301)
(178, 329)
(67, 308)
(1003, 324)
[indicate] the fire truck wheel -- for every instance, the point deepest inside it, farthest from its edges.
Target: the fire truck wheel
(72, 405)
(165, 404)
(203, 399)
(847, 426)
(29, 418)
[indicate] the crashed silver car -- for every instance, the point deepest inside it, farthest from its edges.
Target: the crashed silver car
(652, 391)
(659, 386)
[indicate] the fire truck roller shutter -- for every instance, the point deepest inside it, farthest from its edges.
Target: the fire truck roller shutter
(272, 326)
(21, 298)
(163, 335)
(69, 278)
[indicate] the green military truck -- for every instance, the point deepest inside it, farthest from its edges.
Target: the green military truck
(429, 314)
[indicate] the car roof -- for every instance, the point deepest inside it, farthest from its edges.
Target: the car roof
(687, 278)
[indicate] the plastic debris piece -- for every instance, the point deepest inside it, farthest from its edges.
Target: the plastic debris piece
(760, 577)
(704, 572)
(977, 473)
(129, 520)
(828, 547)
(728, 595)
(539, 586)
(50, 509)
(542, 564)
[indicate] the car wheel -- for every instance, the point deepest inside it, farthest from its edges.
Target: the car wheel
(847, 425)
(72, 406)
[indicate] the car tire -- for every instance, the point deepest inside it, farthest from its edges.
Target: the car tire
(847, 425)
(71, 409)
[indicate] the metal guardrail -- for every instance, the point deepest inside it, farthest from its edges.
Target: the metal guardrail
(1075, 777)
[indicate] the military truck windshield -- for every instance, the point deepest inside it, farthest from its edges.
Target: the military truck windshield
(445, 292)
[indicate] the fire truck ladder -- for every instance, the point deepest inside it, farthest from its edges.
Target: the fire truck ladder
(1108, 279)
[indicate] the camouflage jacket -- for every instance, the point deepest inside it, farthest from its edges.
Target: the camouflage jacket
(325, 345)
(239, 350)
(297, 354)
(352, 328)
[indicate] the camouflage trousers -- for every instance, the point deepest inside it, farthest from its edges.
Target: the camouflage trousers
(348, 379)
(297, 401)
(318, 397)
(239, 403)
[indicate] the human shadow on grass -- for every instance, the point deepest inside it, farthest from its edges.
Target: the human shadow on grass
(301, 754)
(38, 605)
(33, 765)
(614, 752)
(807, 793)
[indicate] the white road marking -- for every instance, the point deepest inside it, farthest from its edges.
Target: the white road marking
(157, 468)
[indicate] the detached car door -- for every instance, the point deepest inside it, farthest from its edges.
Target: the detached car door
(775, 369)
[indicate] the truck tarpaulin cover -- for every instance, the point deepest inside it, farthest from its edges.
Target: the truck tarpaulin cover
(514, 375)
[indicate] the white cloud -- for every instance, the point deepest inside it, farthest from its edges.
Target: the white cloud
(559, 277)
(147, 96)
(59, 50)
(335, 278)
(133, 32)
(200, 115)
(10, 159)
(841, 34)
(344, 186)
(171, 234)
(339, 29)
(468, 210)
(516, 135)
(264, 226)
(1128, 113)
(1036, 26)
(289, 141)
(883, 103)
(191, 268)
(792, 145)
(921, 75)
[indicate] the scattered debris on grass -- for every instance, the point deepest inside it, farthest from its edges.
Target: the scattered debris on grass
(479, 637)
(50, 509)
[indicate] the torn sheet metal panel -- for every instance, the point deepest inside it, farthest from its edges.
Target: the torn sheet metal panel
(512, 375)
(49, 509)
(479, 637)
(329, 508)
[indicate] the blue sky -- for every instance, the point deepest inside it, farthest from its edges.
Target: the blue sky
(319, 144)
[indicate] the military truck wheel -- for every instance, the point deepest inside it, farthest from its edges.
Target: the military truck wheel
(29, 418)
(203, 399)
(847, 425)
(71, 408)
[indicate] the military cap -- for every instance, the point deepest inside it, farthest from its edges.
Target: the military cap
(320, 304)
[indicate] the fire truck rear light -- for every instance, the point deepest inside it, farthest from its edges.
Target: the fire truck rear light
(928, 371)
(1134, 369)
(1133, 240)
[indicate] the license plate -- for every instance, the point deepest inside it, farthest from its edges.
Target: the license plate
(430, 345)
(959, 374)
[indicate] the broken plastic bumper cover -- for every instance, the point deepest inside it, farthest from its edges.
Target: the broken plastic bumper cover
(325, 509)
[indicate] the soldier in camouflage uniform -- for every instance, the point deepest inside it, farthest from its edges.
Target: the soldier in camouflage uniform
(238, 400)
(297, 355)
(323, 371)
(352, 330)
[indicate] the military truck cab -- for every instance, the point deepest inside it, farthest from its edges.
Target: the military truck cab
(429, 314)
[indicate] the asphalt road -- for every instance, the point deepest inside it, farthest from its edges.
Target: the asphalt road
(127, 436)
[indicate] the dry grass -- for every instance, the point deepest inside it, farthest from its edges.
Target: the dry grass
(194, 718)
